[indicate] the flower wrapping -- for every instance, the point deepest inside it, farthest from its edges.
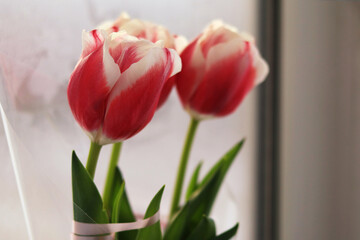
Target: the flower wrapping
(34, 110)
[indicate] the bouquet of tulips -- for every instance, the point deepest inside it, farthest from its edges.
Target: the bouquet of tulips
(126, 71)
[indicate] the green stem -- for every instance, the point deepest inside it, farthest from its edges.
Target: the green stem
(93, 158)
(182, 166)
(111, 173)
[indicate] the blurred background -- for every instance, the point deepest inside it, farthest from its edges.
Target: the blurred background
(296, 177)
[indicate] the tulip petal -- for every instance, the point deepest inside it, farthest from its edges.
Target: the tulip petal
(229, 76)
(176, 61)
(136, 27)
(161, 33)
(121, 20)
(216, 33)
(91, 41)
(90, 83)
(107, 26)
(193, 68)
(94, 40)
(111, 26)
(127, 50)
(262, 68)
(165, 92)
(134, 99)
(149, 31)
(180, 43)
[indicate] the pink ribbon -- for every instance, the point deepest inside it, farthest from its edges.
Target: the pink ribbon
(88, 231)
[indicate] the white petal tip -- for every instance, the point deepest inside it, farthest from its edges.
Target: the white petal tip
(160, 43)
(177, 65)
(180, 43)
(124, 15)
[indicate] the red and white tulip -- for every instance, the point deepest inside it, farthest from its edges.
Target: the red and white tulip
(219, 68)
(152, 32)
(116, 85)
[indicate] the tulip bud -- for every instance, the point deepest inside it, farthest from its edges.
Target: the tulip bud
(152, 32)
(219, 68)
(116, 85)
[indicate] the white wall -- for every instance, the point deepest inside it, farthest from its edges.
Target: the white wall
(320, 197)
(39, 46)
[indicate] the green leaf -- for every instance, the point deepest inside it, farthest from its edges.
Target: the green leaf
(191, 214)
(118, 180)
(176, 228)
(227, 161)
(228, 157)
(193, 184)
(115, 216)
(124, 212)
(152, 232)
(208, 192)
(205, 230)
(211, 173)
(202, 200)
(87, 203)
(228, 234)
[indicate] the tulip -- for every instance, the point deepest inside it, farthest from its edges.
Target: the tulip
(116, 85)
(219, 68)
(152, 32)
